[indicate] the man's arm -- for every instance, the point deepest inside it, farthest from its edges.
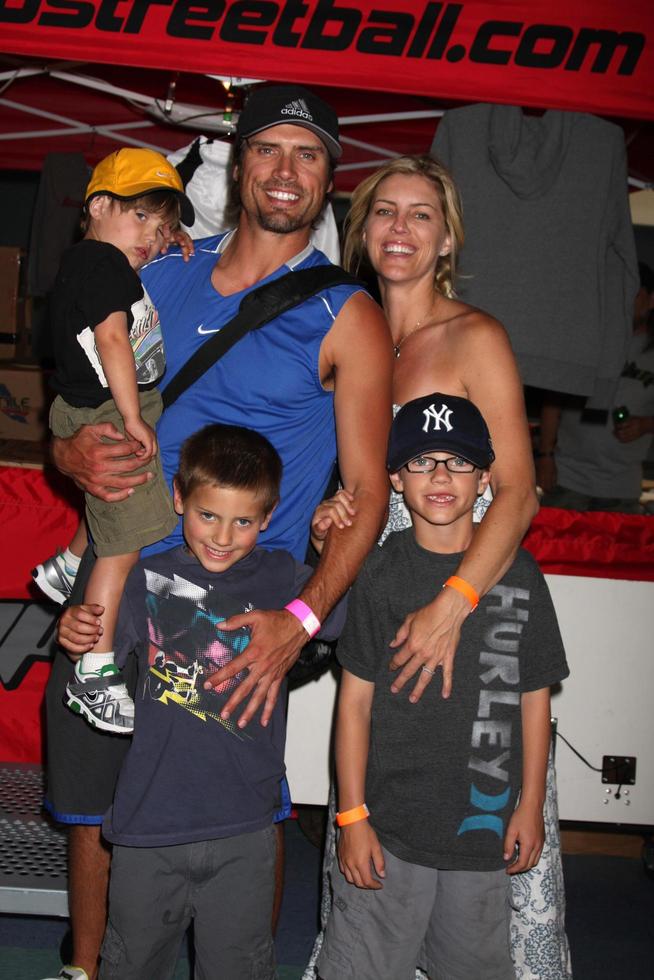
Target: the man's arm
(550, 419)
(634, 427)
(356, 359)
(526, 827)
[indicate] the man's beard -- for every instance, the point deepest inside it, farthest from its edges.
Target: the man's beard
(282, 223)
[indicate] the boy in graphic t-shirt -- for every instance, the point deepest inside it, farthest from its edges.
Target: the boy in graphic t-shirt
(109, 358)
(427, 791)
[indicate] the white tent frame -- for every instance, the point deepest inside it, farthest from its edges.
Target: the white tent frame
(185, 115)
(180, 114)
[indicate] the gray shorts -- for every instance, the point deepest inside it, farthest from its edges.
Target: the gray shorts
(452, 924)
(225, 887)
(145, 517)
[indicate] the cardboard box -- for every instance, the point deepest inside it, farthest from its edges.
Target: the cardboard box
(24, 403)
(27, 455)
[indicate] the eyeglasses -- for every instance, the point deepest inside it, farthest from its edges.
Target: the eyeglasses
(426, 464)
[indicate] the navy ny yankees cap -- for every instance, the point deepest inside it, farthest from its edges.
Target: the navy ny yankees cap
(439, 423)
(278, 104)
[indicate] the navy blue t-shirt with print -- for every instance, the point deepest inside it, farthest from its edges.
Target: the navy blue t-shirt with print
(189, 775)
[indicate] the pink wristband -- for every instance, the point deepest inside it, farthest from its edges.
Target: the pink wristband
(306, 616)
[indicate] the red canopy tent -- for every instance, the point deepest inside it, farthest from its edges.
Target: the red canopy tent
(396, 62)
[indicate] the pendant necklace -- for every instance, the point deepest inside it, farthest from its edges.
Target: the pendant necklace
(418, 326)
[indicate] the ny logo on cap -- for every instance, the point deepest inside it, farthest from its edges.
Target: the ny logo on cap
(443, 416)
(297, 108)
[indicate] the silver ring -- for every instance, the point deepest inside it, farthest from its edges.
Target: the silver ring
(428, 670)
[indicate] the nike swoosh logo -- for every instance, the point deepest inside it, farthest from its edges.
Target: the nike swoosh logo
(202, 329)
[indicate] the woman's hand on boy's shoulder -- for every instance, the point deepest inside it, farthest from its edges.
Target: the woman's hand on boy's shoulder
(360, 856)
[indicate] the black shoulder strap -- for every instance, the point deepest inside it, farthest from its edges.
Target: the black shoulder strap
(257, 308)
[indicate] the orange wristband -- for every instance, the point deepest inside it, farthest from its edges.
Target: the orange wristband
(465, 589)
(352, 816)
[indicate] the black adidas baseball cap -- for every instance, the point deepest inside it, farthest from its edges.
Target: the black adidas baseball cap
(277, 104)
(439, 423)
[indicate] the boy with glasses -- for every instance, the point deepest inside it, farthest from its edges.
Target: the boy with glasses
(424, 861)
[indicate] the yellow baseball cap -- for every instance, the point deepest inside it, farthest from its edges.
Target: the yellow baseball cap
(134, 171)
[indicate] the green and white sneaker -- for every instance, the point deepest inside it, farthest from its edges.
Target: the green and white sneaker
(55, 578)
(70, 973)
(101, 697)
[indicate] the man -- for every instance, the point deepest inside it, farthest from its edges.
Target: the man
(312, 382)
(590, 460)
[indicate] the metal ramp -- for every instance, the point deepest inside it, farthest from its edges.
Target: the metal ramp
(33, 876)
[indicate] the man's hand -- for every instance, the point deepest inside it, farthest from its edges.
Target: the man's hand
(102, 468)
(277, 638)
(429, 638)
(526, 830)
(79, 629)
(360, 854)
(633, 428)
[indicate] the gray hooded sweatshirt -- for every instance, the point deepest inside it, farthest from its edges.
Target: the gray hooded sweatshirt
(549, 245)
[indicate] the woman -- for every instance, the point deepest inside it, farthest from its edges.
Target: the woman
(406, 219)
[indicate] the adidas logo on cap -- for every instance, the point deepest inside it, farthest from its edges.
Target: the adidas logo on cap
(297, 108)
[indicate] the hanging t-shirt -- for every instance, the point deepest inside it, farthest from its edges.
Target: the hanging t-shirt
(95, 279)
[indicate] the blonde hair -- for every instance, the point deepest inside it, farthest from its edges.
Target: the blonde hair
(423, 166)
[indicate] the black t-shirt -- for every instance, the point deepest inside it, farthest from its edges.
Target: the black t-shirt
(95, 279)
(443, 775)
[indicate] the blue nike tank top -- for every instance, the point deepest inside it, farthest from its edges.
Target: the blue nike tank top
(269, 381)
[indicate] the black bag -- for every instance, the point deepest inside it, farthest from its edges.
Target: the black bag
(257, 308)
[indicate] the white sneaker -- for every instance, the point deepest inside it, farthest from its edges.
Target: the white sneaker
(101, 697)
(54, 578)
(70, 973)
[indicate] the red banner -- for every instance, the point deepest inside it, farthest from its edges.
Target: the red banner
(594, 55)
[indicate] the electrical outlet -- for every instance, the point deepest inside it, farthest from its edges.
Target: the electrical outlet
(619, 769)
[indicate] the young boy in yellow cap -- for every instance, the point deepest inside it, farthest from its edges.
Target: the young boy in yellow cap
(109, 358)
